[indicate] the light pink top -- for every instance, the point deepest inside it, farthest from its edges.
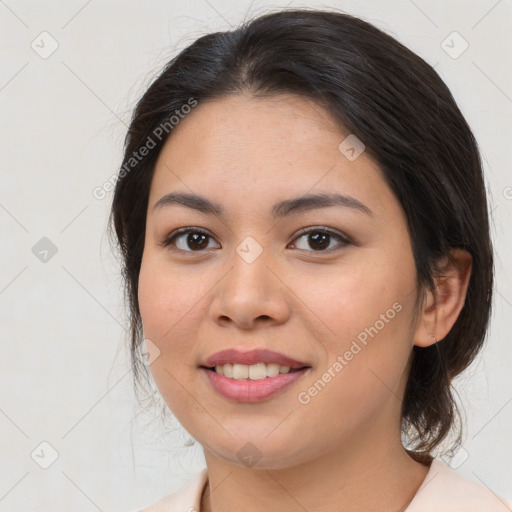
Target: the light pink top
(443, 490)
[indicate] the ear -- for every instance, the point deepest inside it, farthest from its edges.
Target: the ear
(441, 310)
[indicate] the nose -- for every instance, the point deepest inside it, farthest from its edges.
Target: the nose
(251, 294)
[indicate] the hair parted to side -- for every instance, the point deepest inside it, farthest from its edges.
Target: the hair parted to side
(400, 108)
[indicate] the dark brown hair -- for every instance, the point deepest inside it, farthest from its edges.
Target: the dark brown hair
(400, 108)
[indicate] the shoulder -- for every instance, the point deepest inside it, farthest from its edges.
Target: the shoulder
(185, 499)
(444, 490)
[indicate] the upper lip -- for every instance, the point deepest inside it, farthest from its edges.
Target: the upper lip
(251, 357)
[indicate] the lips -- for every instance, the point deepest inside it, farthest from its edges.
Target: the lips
(251, 357)
(253, 391)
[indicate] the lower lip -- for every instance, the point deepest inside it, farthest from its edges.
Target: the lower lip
(251, 390)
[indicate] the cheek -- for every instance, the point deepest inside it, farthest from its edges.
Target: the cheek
(168, 297)
(355, 296)
(167, 305)
(363, 374)
(367, 312)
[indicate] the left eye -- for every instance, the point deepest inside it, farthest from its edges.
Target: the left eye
(196, 240)
(320, 239)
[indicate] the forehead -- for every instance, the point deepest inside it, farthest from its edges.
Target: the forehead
(247, 122)
(263, 148)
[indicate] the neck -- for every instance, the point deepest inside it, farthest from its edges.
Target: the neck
(354, 476)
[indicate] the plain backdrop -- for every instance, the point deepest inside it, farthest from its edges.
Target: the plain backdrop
(70, 75)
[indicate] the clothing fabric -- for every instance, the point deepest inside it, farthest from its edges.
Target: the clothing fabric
(443, 490)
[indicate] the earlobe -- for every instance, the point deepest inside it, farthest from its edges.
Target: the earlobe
(440, 312)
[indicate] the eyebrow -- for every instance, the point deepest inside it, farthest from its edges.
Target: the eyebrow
(281, 209)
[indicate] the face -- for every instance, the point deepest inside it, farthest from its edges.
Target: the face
(331, 285)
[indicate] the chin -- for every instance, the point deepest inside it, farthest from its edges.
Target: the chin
(258, 453)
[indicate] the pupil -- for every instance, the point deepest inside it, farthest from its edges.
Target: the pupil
(319, 239)
(194, 239)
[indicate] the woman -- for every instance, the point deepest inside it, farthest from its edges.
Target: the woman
(303, 221)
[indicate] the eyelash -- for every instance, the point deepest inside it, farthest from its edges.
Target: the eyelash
(304, 231)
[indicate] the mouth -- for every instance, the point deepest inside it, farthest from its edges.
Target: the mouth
(252, 376)
(257, 371)
(256, 360)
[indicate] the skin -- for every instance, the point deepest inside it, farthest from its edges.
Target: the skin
(343, 448)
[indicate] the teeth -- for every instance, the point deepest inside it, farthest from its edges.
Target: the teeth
(256, 371)
(240, 371)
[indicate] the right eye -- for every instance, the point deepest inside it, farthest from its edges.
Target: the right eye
(188, 240)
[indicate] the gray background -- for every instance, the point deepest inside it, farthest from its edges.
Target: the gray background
(64, 371)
